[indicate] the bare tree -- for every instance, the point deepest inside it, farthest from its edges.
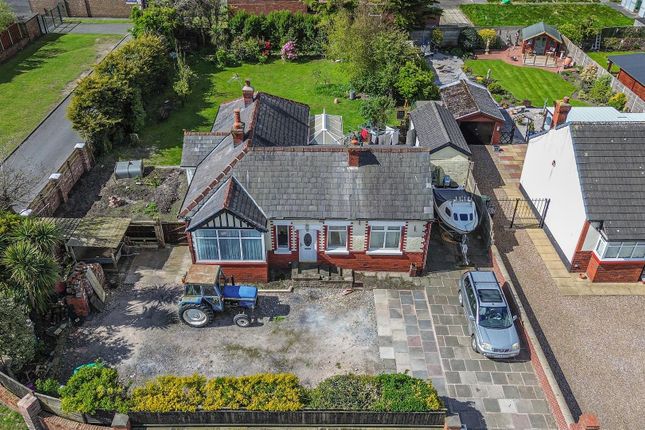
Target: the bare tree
(16, 185)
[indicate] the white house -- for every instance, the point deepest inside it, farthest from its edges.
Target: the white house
(594, 174)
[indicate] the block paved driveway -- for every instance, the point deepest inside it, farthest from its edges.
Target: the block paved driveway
(424, 331)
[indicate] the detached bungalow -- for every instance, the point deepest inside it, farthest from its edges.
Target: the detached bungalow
(475, 110)
(593, 174)
(263, 195)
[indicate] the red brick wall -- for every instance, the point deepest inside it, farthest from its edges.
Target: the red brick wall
(632, 84)
(244, 272)
(86, 8)
(614, 271)
(266, 6)
(8, 398)
(355, 260)
(53, 422)
(580, 261)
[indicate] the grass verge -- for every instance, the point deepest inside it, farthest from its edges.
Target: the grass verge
(526, 82)
(494, 15)
(32, 82)
(10, 420)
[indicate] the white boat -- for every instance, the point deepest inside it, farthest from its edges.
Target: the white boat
(456, 209)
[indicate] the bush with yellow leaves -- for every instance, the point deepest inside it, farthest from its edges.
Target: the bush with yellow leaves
(261, 392)
(170, 393)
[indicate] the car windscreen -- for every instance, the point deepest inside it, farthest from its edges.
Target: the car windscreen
(495, 317)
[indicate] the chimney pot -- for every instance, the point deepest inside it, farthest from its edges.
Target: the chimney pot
(247, 93)
(238, 128)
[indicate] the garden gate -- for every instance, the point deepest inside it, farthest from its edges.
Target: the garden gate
(520, 212)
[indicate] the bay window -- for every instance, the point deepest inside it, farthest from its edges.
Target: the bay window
(385, 237)
(228, 245)
(620, 250)
(336, 238)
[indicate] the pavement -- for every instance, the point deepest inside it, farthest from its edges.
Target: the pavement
(424, 331)
(593, 342)
(45, 150)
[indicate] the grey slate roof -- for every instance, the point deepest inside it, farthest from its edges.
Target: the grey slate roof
(197, 147)
(436, 128)
(319, 184)
(464, 98)
(632, 64)
(541, 28)
(230, 196)
(279, 122)
(611, 166)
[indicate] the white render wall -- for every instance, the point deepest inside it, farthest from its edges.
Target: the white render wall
(358, 236)
(414, 242)
(560, 183)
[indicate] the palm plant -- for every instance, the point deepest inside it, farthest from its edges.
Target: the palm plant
(44, 235)
(33, 271)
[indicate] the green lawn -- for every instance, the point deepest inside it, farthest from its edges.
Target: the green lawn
(601, 57)
(526, 82)
(494, 15)
(298, 81)
(33, 81)
(10, 420)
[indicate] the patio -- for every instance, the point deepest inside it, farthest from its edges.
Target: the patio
(514, 56)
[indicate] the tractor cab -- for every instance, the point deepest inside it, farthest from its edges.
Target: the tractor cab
(207, 290)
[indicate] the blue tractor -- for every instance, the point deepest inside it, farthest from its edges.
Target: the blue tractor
(207, 290)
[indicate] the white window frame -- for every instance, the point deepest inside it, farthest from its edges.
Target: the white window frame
(337, 226)
(281, 249)
(195, 239)
(602, 244)
(387, 226)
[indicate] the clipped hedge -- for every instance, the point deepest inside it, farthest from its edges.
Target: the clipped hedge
(261, 392)
(94, 388)
(384, 393)
(170, 393)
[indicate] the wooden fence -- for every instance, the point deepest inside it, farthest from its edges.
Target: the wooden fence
(634, 102)
(17, 36)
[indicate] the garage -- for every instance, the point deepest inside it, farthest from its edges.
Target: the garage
(480, 119)
(477, 133)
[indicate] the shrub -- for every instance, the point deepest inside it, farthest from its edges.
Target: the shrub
(94, 388)
(245, 50)
(600, 91)
(18, 341)
(289, 51)
(496, 88)
(170, 393)
(618, 101)
(345, 392)
(403, 393)
(49, 386)
(588, 74)
(377, 110)
(261, 392)
(469, 39)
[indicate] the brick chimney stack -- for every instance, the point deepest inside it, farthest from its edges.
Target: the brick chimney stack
(562, 108)
(353, 157)
(238, 128)
(247, 93)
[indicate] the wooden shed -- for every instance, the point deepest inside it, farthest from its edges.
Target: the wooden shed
(541, 39)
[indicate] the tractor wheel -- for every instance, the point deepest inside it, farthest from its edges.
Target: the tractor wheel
(196, 315)
(242, 320)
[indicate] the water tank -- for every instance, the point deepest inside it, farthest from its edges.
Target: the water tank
(128, 169)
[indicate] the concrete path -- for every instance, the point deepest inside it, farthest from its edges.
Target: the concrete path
(431, 340)
(454, 16)
(82, 28)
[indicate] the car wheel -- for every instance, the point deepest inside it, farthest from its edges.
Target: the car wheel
(461, 299)
(242, 320)
(196, 315)
(473, 344)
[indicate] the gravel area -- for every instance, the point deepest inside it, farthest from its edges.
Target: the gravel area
(314, 333)
(595, 344)
(447, 68)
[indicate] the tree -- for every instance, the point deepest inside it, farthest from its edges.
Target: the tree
(377, 110)
(414, 83)
(412, 14)
(469, 39)
(185, 78)
(437, 37)
(18, 341)
(580, 30)
(158, 20)
(7, 17)
(371, 52)
(488, 35)
(43, 235)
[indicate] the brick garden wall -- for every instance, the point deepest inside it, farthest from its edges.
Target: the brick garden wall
(87, 8)
(56, 191)
(580, 261)
(266, 6)
(8, 398)
(615, 271)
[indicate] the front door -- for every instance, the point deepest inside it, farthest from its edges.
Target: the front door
(308, 246)
(540, 45)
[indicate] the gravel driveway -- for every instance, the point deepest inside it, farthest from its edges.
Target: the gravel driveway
(595, 344)
(314, 333)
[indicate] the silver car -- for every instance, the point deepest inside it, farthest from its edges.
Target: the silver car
(490, 321)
